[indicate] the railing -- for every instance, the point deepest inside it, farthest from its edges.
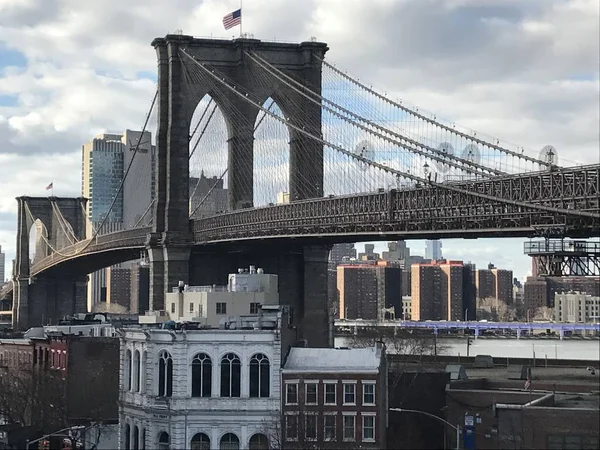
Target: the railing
(561, 246)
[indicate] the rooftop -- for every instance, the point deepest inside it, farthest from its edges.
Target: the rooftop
(332, 359)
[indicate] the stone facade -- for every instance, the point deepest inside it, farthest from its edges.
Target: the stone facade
(166, 404)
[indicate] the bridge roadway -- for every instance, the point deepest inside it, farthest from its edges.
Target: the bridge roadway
(421, 212)
(436, 325)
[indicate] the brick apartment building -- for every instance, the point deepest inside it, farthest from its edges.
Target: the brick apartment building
(55, 380)
(334, 398)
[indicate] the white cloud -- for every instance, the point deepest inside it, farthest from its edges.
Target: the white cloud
(526, 72)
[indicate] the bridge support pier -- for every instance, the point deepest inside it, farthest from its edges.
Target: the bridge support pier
(46, 299)
(169, 264)
(302, 276)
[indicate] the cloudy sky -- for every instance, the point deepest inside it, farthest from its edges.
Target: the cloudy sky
(526, 71)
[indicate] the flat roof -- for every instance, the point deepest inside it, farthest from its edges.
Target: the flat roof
(333, 359)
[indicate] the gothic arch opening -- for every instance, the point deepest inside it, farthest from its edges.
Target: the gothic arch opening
(208, 159)
(271, 163)
(38, 235)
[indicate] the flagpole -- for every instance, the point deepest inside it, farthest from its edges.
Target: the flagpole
(241, 18)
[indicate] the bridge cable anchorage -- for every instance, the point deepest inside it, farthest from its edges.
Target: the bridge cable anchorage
(431, 121)
(433, 153)
(260, 121)
(64, 225)
(89, 242)
(247, 98)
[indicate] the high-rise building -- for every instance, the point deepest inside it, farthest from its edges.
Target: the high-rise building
(576, 307)
(2, 266)
(539, 291)
(485, 286)
(437, 291)
(207, 196)
(503, 285)
(369, 253)
(341, 252)
(397, 251)
(469, 292)
(107, 163)
(366, 289)
(433, 249)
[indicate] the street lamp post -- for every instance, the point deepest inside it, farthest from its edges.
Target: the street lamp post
(425, 413)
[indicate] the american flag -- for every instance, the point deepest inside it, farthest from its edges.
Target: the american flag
(232, 19)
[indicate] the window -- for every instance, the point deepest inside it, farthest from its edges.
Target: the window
(201, 375)
(310, 393)
(221, 308)
(311, 426)
(136, 438)
(259, 376)
(254, 308)
(165, 375)
(229, 442)
(230, 375)
(173, 308)
(163, 441)
(191, 307)
(291, 393)
(259, 442)
(200, 441)
(291, 427)
(349, 393)
(136, 371)
(143, 439)
(329, 431)
(368, 393)
(127, 371)
(349, 429)
(127, 434)
(368, 428)
(330, 390)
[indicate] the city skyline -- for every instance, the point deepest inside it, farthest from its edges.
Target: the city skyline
(49, 82)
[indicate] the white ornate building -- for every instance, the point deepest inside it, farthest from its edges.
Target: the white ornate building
(204, 388)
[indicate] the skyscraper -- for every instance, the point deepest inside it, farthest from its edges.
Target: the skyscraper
(106, 160)
(2, 266)
(433, 249)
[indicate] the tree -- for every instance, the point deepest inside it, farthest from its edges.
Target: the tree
(33, 397)
(543, 313)
(112, 308)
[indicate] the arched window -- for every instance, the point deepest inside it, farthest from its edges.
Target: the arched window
(143, 446)
(259, 442)
(201, 375)
(163, 441)
(165, 375)
(136, 371)
(200, 441)
(127, 371)
(143, 359)
(127, 432)
(229, 441)
(230, 375)
(259, 376)
(136, 438)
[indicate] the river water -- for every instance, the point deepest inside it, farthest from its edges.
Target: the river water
(583, 349)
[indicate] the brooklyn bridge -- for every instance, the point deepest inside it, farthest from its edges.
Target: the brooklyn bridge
(267, 118)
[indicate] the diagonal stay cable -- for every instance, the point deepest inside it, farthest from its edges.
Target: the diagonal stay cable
(431, 121)
(246, 97)
(201, 202)
(443, 157)
(97, 231)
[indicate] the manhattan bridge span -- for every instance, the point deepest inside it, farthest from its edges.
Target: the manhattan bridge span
(264, 118)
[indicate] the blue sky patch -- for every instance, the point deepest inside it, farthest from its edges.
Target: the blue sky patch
(10, 57)
(8, 100)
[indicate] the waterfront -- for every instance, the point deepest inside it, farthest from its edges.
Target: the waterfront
(576, 349)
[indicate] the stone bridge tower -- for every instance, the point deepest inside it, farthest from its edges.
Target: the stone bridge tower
(46, 298)
(170, 244)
